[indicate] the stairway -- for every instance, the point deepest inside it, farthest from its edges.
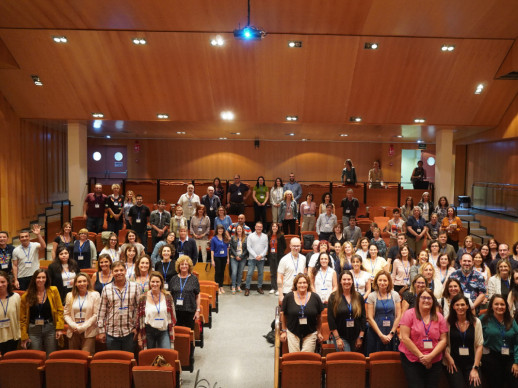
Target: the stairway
(479, 233)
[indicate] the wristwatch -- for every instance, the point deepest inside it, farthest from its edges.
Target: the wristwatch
(392, 333)
(476, 367)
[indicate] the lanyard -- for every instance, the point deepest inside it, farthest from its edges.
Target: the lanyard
(182, 286)
(349, 307)
(40, 305)
(130, 270)
(443, 278)
(27, 254)
(501, 327)
(462, 334)
(356, 282)
(67, 273)
(80, 247)
(6, 306)
(323, 277)
(373, 265)
(385, 307)
(165, 270)
(121, 297)
(101, 278)
(181, 245)
(158, 306)
(406, 269)
(79, 302)
(427, 329)
(303, 307)
(295, 266)
(143, 284)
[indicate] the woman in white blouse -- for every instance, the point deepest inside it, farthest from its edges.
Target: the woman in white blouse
(276, 197)
(323, 278)
(112, 248)
(81, 307)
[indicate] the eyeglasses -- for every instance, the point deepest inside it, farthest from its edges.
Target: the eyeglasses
(426, 298)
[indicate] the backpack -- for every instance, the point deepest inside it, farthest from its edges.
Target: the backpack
(308, 241)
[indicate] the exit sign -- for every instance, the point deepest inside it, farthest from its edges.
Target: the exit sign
(421, 146)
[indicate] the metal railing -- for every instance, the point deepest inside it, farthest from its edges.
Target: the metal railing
(498, 198)
(276, 365)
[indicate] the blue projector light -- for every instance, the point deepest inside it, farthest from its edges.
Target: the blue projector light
(249, 33)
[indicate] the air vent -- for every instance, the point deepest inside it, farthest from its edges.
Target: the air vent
(513, 75)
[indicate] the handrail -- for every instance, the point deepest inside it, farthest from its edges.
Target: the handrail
(276, 366)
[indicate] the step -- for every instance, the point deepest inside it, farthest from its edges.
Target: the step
(479, 231)
(469, 217)
(472, 224)
(463, 212)
(484, 240)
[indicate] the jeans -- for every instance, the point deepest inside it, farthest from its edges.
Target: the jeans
(347, 345)
(417, 376)
(157, 338)
(237, 271)
(252, 263)
(120, 343)
(219, 275)
(95, 224)
(114, 225)
(274, 263)
(43, 337)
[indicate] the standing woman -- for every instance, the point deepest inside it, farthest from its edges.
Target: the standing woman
(41, 314)
(361, 278)
(401, 269)
(435, 285)
(276, 196)
(170, 239)
(337, 236)
(501, 282)
(422, 258)
(260, 196)
(62, 272)
(442, 208)
(185, 290)
(374, 264)
(218, 189)
(219, 255)
(300, 321)
(433, 256)
(452, 225)
(142, 270)
(444, 268)
(103, 276)
(464, 351)
(500, 331)
(276, 248)
(493, 248)
(512, 298)
(376, 175)
(65, 238)
(469, 247)
(165, 266)
(327, 199)
(112, 247)
(155, 316)
(9, 315)
(480, 267)
(323, 278)
(349, 173)
(426, 206)
(222, 218)
(131, 240)
(288, 213)
(407, 208)
(383, 314)
(115, 206)
(239, 256)
(410, 296)
(82, 305)
(130, 258)
(451, 288)
(129, 202)
(423, 340)
(84, 250)
(308, 210)
(200, 229)
(416, 229)
(346, 315)
(178, 220)
(345, 258)
(362, 248)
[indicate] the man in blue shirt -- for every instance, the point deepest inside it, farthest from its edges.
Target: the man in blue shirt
(472, 282)
(294, 187)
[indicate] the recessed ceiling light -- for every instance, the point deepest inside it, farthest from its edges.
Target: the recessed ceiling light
(97, 115)
(419, 141)
(355, 119)
(370, 46)
(448, 47)
(162, 116)
(60, 39)
(180, 132)
(419, 120)
(217, 41)
(222, 138)
(305, 139)
(108, 137)
(292, 118)
(295, 43)
(235, 133)
(227, 115)
(36, 80)
(139, 41)
(479, 89)
(399, 136)
(97, 124)
(344, 135)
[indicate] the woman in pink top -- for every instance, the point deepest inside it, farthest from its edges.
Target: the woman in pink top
(423, 339)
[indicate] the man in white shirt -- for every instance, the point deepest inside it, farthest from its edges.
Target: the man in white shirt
(26, 258)
(290, 266)
(189, 201)
(257, 246)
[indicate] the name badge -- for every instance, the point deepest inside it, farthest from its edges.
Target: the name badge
(4, 266)
(80, 257)
(467, 295)
(221, 252)
(5, 323)
(200, 229)
(123, 308)
(505, 350)
(67, 283)
(79, 317)
(211, 209)
(179, 302)
(347, 211)
(239, 193)
(166, 286)
(39, 321)
(180, 254)
(159, 319)
(427, 344)
(418, 230)
(97, 206)
(348, 179)
(349, 323)
(138, 221)
(463, 351)
(28, 264)
(272, 250)
(386, 323)
(304, 321)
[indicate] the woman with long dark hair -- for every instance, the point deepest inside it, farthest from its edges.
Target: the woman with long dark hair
(62, 272)
(276, 248)
(260, 196)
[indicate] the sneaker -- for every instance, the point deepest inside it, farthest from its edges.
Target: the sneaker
(277, 293)
(272, 291)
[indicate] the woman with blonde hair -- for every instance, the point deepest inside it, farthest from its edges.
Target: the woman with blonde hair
(129, 202)
(185, 289)
(434, 284)
(115, 207)
(81, 307)
(288, 213)
(65, 238)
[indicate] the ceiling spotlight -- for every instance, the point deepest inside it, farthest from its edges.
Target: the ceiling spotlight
(227, 115)
(419, 141)
(162, 116)
(180, 132)
(139, 41)
(370, 46)
(217, 41)
(108, 137)
(479, 89)
(97, 124)
(355, 119)
(447, 47)
(295, 43)
(305, 139)
(399, 136)
(235, 133)
(36, 80)
(344, 135)
(97, 115)
(222, 138)
(292, 118)
(419, 121)
(60, 39)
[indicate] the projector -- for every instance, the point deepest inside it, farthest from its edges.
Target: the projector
(249, 33)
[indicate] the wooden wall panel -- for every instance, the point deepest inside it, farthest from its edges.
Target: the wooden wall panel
(503, 230)
(33, 169)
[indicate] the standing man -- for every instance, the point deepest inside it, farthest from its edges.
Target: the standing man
(290, 266)
(352, 233)
(257, 246)
(93, 209)
(159, 221)
(472, 282)
(326, 223)
(503, 254)
(212, 203)
(26, 258)
(349, 206)
(118, 311)
(240, 221)
(418, 176)
(237, 194)
(444, 247)
(189, 201)
(138, 218)
(6, 253)
(294, 187)
(186, 246)
(401, 241)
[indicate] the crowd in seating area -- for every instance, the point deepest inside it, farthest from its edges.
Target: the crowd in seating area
(347, 277)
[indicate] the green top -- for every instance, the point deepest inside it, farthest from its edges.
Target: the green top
(260, 193)
(495, 336)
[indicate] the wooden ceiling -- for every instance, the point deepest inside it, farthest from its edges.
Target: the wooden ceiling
(325, 82)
